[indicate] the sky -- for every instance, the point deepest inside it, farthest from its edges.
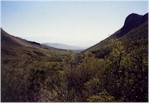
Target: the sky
(78, 23)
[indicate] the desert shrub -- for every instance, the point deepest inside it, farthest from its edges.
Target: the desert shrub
(93, 86)
(101, 97)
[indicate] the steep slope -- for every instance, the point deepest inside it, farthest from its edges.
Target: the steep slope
(134, 30)
(131, 22)
(125, 54)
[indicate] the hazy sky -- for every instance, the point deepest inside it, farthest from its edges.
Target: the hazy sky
(79, 23)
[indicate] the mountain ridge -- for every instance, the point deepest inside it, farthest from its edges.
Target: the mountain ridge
(104, 44)
(132, 21)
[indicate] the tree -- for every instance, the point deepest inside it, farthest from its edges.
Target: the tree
(114, 73)
(136, 86)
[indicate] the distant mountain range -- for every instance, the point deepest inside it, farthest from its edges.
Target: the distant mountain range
(64, 46)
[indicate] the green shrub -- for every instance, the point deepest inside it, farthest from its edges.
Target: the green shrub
(101, 97)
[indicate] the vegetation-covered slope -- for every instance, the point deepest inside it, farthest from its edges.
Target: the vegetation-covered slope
(114, 70)
(134, 30)
(19, 58)
(126, 53)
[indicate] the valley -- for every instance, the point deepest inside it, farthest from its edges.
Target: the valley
(113, 70)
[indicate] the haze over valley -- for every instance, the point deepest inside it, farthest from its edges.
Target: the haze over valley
(77, 51)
